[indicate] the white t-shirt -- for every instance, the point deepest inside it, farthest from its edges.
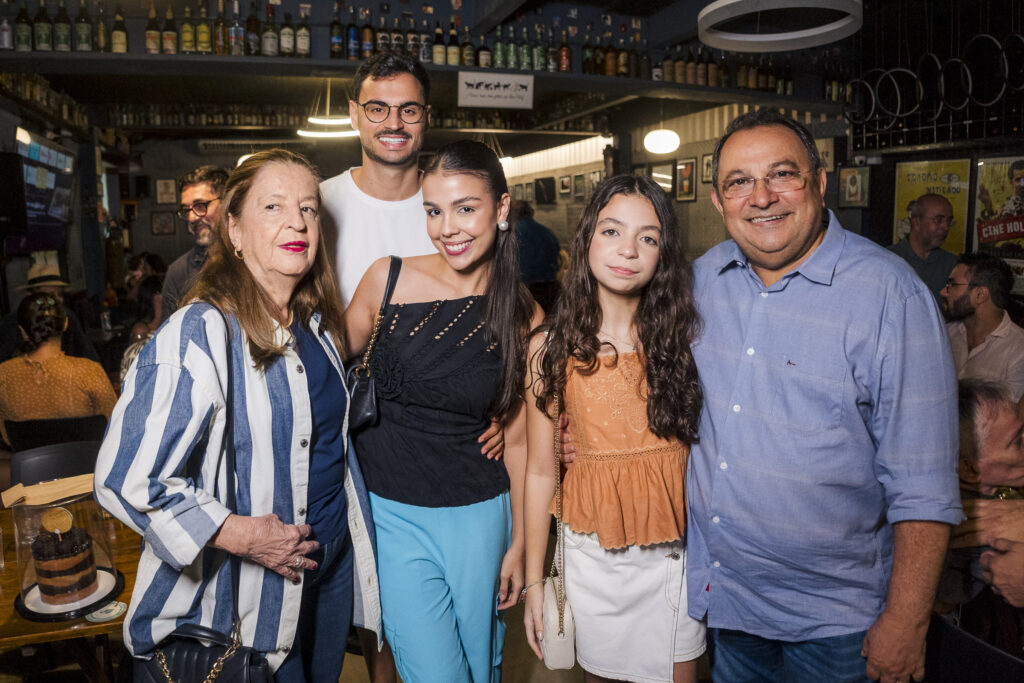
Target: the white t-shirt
(367, 228)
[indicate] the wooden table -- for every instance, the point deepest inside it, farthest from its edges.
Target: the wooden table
(16, 631)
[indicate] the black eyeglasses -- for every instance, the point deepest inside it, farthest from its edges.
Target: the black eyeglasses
(199, 208)
(378, 112)
(951, 283)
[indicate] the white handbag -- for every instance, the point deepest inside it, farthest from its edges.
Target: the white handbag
(559, 642)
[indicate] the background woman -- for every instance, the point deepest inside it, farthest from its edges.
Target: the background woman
(161, 467)
(616, 355)
(450, 356)
(150, 301)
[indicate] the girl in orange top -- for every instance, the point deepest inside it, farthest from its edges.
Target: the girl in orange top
(616, 356)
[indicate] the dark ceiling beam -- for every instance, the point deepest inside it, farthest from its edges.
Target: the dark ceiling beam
(676, 23)
(490, 13)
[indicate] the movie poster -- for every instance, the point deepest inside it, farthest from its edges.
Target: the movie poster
(949, 178)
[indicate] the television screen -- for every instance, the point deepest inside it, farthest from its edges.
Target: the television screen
(49, 175)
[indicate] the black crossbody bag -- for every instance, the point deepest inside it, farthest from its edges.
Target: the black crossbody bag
(194, 653)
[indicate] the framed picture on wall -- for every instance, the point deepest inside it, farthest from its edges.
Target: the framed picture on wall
(528, 192)
(545, 190)
(166, 192)
(662, 174)
(705, 168)
(593, 180)
(577, 185)
(686, 186)
(517, 191)
(565, 184)
(853, 187)
(162, 222)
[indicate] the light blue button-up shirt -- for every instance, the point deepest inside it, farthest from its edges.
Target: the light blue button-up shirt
(829, 415)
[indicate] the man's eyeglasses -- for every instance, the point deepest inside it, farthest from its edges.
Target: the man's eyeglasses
(953, 284)
(776, 181)
(378, 112)
(939, 219)
(199, 208)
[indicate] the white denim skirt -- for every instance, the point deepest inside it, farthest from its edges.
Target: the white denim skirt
(629, 606)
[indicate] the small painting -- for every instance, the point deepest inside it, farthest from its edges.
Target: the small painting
(565, 184)
(662, 174)
(528, 191)
(162, 222)
(166, 193)
(853, 187)
(705, 168)
(594, 179)
(577, 185)
(686, 187)
(545, 189)
(517, 191)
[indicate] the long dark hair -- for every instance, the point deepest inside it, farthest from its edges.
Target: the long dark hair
(509, 305)
(41, 316)
(667, 321)
(149, 287)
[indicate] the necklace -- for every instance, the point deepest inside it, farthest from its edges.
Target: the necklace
(628, 342)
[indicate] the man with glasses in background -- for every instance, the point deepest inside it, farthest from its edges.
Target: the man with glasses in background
(200, 191)
(823, 486)
(931, 217)
(986, 344)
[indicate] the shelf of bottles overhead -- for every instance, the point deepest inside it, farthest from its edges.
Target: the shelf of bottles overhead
(942, 72)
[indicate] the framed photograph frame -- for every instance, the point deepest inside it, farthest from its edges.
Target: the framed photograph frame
(577, 185)
(162, 222)
(854, 187)
(166, 191)
(594, 179)
(564, 184)
(662, 174)
(705, 168)
(544, 188)
(686, 176)
(528, 191)
(517, 191)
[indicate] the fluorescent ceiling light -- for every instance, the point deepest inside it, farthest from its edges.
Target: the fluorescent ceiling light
(661, 141)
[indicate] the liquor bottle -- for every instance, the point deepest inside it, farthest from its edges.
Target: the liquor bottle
(303, 37)
(204, 32)
(352, 43)
(286, 37)
(789, 75)
(169, 34)
(187, 33)
(23, 30)
(668, 67)
(383, 37)
(741, 73)
(564, 54)
(119, 33)
(499, 50)
(83, 29)
(62, 29)
(367, 37)
(646, 69)
(511, 50)
(99, 29)
(587, 56)
(484, 54)
(220, 32)
(397, 37)
(771, 74)
(724, 77)
(452, 54)
(539, 50)
(412, 39)
(337, 33)
(467, 53)
(426, 43)
(236, 32)
(152, 31)
(611, 58)
(838, 82)
(270, 39)
(6, 29)
(633, 58)
(752, 74)
(43, 29)
(702, 66)
(712, 68)
(623, 66)
(762, 75)
(252, 32)
(691, 68)
(438, 53)
(599, 53)
(525, 53)
(551, 50)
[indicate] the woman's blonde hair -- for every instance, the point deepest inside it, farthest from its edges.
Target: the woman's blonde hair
(226, 282)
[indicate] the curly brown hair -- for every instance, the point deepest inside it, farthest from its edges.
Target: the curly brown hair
(666, 319)
(41, 317)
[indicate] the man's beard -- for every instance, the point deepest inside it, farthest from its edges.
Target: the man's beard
(958, 309)
(406, 161)
(202, 232)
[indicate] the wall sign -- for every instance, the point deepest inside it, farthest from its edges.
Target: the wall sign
(495, 90)
(949, 178)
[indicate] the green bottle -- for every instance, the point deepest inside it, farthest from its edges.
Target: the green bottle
(23, 30)
(187, 33)
(83, 29)
(204, 32)
(119, 32)
(43, 30)
(62, 29)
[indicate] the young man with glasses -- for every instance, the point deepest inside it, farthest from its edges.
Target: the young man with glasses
(200, 191)
(931, 217)
(823, 486)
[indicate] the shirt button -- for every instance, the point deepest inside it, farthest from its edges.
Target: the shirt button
(716, 563)
(302, 511)
(723, 466)
(304, 443)
(716, 519)
(299, 370)
(750, 351)
(764, 294)
(736, 408)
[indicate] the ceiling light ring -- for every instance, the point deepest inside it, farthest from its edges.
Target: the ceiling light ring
(722, 11)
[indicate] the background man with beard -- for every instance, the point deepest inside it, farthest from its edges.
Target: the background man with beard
(986, 344)
(200, 191)
(930, 220)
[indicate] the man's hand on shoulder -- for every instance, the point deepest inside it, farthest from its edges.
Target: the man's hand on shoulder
(894, 649)
(1003, 567)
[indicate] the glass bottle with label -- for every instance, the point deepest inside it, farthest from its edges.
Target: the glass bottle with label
(83, 28)
(383, 43)
(252, 32)
(337, 34)
(712, 67)
(483, 54)
(611, 59)
(23, 30)
(367, 37)
(270, 39)
(587, 56)
(438, 51)
(724, 77)
(350, 38)
(152, 31)
(286, 37)
(397, 37)
(43, 30)
(511, 50)
(220, 31)
(100, 32)
(188, 33)
(565, 54)
(691, 68)
(701, 68)
(236, 33)
(303, 37)
(646, 70)
(526, 52)
(6, 28)
(204, 32)
(623, 67)
(539, 53)
(498, 55)
(119, 33)
(551, 51)
(412, 39)
(426, 43)
(453, 55)
(62, 29)
(668, 67)
(169, 35)
(467, 56)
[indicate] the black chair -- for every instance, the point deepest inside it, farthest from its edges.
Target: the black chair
(54, 462)
(955, 656)
(26, 434)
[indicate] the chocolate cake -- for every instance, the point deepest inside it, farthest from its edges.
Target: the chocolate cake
(65, 566)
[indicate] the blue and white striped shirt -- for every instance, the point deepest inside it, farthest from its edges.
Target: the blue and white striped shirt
(161, 470)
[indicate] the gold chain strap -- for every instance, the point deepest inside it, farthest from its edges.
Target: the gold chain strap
(559, 558)
(218, 666)
(365, 365)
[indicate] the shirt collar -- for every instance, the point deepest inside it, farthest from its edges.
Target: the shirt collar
(1003, 328)
(820, 265)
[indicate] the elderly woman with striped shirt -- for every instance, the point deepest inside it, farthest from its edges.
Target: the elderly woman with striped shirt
(267, 302)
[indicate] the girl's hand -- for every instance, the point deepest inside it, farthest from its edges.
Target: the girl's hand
(533, 618)
(511, 577)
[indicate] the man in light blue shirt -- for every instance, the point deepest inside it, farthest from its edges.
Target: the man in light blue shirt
(824, 485)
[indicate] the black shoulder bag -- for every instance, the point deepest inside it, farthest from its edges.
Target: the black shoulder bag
(362, 388)
(194, 653)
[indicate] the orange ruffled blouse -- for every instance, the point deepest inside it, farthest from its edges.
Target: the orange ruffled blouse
(626, 484)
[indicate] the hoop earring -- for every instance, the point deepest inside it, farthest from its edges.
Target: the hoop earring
(238, 254)
(503, 226)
